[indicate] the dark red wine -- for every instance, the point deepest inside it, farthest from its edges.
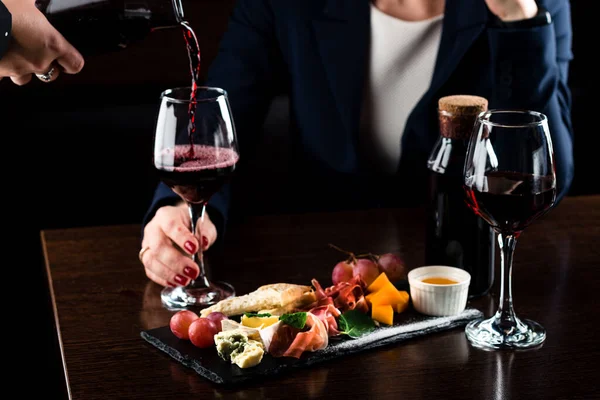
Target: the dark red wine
(196, 179)
(510, 201)
(100, 26)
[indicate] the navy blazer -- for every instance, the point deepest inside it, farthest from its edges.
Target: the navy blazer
(5, 28)
(316, 52)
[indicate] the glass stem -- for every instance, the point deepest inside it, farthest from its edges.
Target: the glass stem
(505, 317)
(197, 216)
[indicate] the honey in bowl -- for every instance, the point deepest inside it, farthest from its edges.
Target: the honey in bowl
(440, 281)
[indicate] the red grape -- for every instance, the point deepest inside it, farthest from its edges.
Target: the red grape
(202, 332)
(393, 266)
(217, 317)
(366, 269)
(180, 323)
(342, 272)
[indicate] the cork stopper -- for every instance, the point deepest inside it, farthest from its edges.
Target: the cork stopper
(457, 114)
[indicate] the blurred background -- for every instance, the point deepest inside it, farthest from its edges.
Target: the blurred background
(91, 133)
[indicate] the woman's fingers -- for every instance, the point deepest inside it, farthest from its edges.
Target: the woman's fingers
(169, 246)
(168, 259)
(176, 227)
(158, 278)
(69, 58)
(21, 80)
(167, 265)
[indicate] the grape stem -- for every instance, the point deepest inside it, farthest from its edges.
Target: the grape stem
(373, 257)
(353, 257)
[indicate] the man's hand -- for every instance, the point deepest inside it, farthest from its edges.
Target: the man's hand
(513, 10)
(36, 46)
(170, 245)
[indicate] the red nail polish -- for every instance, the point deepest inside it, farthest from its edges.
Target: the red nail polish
(190, 246)
(191, 272)
(180, 279)
(171, 284)
(204, 242)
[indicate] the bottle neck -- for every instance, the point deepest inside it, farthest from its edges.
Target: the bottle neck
(456, 125)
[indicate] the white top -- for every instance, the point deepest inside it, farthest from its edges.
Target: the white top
(402, 59)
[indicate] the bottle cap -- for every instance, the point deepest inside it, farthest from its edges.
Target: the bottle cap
(457, 114)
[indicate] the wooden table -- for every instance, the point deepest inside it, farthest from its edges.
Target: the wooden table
(103, 300)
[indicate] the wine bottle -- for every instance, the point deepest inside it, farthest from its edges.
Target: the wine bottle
(455, 235)
(98, 26)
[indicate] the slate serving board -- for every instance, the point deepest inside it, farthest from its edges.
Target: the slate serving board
(207, 363)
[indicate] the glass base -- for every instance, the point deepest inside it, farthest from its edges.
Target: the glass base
(177, 298)
(491, 334)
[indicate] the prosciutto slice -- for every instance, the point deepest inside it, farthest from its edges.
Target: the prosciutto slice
(314, 339)
(328, 315)
(344, 296)
(292, 342)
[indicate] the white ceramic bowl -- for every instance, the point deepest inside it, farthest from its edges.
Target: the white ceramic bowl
(439, 299)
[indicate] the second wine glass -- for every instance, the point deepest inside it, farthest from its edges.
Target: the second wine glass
(510, 181)
(195, 154)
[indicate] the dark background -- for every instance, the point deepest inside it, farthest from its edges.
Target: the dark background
(77, 152)
(91, 133)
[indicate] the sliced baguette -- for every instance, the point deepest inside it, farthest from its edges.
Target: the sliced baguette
(293, 306)
(272, 296)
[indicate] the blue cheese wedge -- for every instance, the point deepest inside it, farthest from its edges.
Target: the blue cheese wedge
(235, 346)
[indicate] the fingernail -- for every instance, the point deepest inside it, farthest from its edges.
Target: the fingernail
(190, 246)
(180, 279)
(204, 242)
(171, 284)
(191, 272)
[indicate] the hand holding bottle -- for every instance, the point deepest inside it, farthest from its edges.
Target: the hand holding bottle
(513, 10)
(36, 47)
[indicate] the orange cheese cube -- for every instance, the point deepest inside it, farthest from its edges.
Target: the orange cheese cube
(403, 305)
(378, 283)
(387, 295)
(370, 296)
(383, 314)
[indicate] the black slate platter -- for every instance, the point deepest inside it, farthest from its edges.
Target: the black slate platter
(207, 363)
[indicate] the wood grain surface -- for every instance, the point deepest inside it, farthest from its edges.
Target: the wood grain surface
(103, 300)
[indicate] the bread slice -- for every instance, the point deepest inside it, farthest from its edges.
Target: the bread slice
(293, 306)
(272, 296)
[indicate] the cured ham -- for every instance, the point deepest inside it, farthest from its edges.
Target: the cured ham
(314, 339)
(288, 341)
(328, 314)
(344, 296)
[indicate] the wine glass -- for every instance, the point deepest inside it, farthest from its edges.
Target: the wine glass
(195, 154)
(509, 180)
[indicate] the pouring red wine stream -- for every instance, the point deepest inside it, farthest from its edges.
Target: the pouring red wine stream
(193, 49)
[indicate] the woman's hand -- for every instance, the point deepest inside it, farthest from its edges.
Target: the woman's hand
(513, 10)
(36, 46)
(170, 245)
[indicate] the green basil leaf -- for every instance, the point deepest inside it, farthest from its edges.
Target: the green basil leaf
(296, 320)
(355, 323)
(251, 314)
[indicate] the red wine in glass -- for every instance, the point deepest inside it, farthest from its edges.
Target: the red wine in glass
(512, 200)
(198, 171)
